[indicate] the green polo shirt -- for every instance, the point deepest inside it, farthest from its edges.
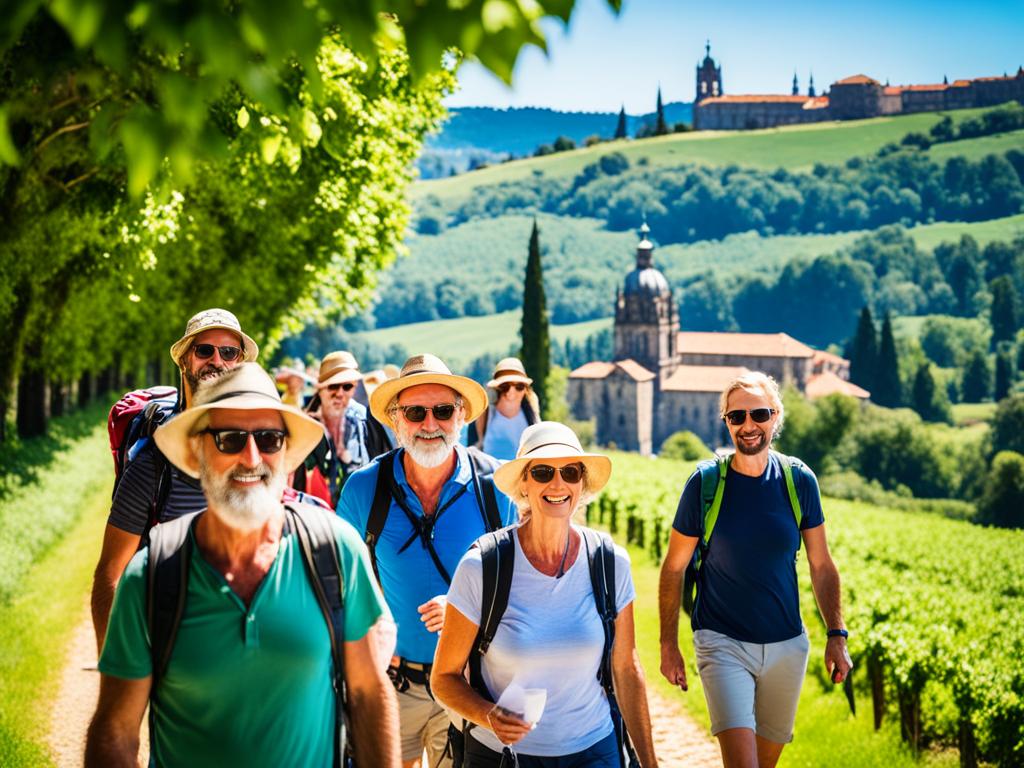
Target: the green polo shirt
(244, 686)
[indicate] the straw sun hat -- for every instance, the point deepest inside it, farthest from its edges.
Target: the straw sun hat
(427, 369)
(338, 368)
(244, 388)
(208, 320)
(509, 371)
(551, 440)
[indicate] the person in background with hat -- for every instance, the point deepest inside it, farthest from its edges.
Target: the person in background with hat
(351, 437)
(551, 635)
(514, 408)
(262, 696)
(294, 380)
(213, 343)
(434, 507)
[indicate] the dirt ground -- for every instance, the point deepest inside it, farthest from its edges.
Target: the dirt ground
(679, 741)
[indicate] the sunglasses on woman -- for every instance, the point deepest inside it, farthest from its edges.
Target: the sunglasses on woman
(417, 413)
(739, 416)
(227, 354)
(232, 441)
(518, 386)
(347, 386)
(545, 473)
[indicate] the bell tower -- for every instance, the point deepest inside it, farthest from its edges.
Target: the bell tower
(709, 77)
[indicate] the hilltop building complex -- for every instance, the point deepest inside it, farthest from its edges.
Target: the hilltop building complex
(661, 380)
(852, 98)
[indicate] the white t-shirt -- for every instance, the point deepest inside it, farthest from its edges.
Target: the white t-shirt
(501, 437)
(549, 637)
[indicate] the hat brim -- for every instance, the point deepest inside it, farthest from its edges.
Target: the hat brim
(172, 437)
(509, 378)
(508, 477)
(340, 377)
(250, 351)
(474, 396)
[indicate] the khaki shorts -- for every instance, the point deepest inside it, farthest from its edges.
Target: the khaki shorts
(752, 685)
(423, 725)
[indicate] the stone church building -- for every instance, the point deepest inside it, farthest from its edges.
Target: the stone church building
(662, 380)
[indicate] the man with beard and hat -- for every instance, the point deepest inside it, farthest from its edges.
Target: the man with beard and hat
(151, 489)
(246, 676)
(748, 635)
(419, 508)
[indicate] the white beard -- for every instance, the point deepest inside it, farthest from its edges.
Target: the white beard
(432, 453)
(246, 508)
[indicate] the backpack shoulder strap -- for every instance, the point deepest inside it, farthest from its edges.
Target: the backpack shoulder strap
(789, 468)
(601, 559)
(497, 554)
(319, 550)
(170, 554)
(486, 497)
(380, 507)
(712, 489)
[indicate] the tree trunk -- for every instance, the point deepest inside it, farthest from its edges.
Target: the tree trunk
(910, 718)
(58, 399)
(32, 404)
(968, 746)
(877, 689)
(105, 381)
(85, 389)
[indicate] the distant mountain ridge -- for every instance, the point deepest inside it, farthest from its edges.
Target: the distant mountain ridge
(486, 134)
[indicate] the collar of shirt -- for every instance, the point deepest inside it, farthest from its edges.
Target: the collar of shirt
(461, 476)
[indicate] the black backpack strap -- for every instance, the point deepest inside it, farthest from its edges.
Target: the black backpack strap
(323, 567)
(380, 507)
(497, 555)
(486, 498)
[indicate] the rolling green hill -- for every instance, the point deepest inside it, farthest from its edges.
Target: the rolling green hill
(796, 147)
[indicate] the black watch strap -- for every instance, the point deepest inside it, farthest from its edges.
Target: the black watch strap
(837, 633)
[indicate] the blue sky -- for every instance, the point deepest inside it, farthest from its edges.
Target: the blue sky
(602, 61)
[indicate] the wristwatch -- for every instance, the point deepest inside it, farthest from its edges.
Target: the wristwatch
(837, 633)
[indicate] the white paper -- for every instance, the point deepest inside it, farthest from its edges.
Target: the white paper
(528, 703)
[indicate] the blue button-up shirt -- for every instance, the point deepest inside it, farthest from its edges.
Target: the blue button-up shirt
(410, 578)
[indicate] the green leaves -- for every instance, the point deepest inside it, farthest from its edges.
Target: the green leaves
(8, 152)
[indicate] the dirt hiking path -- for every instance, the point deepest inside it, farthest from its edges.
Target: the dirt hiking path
(678, 740)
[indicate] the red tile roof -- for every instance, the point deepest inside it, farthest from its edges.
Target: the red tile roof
(767, 98)
(960, 83)
(828, 383)
(857, 80)
(602, 370)
(818, 102)
(892, 90)
(749, 344)
(702, 378)
(932, 87)
(821, 356)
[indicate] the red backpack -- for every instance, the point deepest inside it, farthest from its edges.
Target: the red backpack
(132, 421)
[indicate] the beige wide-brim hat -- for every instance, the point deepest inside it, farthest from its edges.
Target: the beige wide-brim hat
(245, 388)
(427, 369)
(337, 368)
(509, 371)
(208, 320)
(551, 440)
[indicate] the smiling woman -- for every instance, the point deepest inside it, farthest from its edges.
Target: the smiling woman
(549, 639)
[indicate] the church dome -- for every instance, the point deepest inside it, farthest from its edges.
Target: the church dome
(646, 281)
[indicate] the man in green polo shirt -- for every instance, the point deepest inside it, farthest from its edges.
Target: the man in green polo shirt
(249, 681)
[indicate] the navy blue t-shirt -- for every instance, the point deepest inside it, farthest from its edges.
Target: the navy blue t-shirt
(748, 588)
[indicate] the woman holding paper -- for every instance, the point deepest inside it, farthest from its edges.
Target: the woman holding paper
(542, 663)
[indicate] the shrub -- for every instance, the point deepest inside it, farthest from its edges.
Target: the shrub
(1002, 503)
(684, 445)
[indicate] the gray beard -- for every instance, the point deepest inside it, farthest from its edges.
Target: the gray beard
(433, 453)
(244, 509)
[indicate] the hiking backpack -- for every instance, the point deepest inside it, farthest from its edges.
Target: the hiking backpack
(387, 489)
(497, 554)
(712, 489)
(170, 555)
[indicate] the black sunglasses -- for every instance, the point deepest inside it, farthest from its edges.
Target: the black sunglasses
(234, 440)
(347, 386)
(417, 413)
(545, 473)
(518, 386)
(227, 354)
(739, 416)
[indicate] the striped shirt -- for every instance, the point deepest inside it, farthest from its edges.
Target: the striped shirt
(136, 491)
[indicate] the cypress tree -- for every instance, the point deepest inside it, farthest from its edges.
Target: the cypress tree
(660, 127)
(977, 384)
(620, 129)
(926, 399)
(536, 352)
(1004, 376)
(888, 390)
(1004, 313)
(863, 352)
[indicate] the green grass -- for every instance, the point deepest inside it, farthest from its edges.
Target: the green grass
(793, 147)
(973, 414)
(45, 481)
(36, 625)
(460, 340)
(975, 149)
